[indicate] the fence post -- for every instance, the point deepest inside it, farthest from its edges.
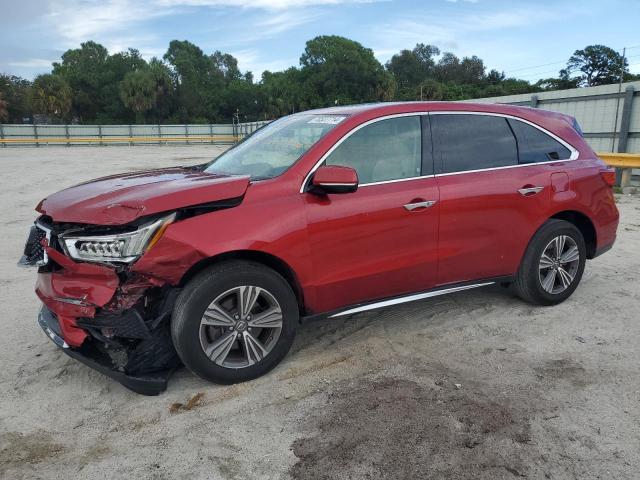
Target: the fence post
(100, 134)
(35, 134)
(186, 133)
(2, 135)
(533, 103)
(211, 132)
(625, 123)
(159, 134)
(130, 135)
(66, 132)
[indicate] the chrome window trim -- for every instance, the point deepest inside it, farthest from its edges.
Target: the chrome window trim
(504, 168)
(574, 152)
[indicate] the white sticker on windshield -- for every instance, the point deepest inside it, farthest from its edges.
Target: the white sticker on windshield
(327, 119)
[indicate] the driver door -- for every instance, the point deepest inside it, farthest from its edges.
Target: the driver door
(380, 241)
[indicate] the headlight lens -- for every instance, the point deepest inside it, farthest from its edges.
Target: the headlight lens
(122, 247)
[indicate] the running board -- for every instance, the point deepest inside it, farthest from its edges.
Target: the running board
(408, 298)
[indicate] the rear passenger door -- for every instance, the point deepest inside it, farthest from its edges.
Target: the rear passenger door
(490, 203)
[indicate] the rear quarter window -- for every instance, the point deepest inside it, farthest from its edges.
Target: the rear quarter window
(535, 146)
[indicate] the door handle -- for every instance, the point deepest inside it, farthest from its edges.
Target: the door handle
(424, 204)
(529, 191)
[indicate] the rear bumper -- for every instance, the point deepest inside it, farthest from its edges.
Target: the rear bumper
(92, 354)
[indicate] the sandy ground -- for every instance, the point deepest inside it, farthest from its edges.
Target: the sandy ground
(472, 385)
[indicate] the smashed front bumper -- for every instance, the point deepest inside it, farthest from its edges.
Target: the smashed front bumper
(111, 319)
(100, 357)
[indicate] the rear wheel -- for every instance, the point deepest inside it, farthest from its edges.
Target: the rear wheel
(552, 265)
(234, 322)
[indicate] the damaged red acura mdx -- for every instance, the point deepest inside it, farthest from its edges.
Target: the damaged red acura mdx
(319, 214)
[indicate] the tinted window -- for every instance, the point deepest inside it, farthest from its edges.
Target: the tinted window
(385, 150)
(472, 142)
(536, 146)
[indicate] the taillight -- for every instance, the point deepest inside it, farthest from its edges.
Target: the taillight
(609, 176)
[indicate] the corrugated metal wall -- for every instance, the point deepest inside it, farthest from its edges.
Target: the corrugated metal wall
(595, 110)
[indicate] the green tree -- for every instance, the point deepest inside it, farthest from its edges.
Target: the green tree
(16, 92)
(51, 95)
(339, 70)
(138, 92)
(84, 70)
(282, 92)
(412, 67)
(164, 88)
(469, 70)
(94, 76)
(4, 110)
(228, 65)
(116, 68)
(598, 65)
(430, 89)
(563, 81)
(198, 79)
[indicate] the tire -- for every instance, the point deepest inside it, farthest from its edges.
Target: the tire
(534, 282)
(241, 282)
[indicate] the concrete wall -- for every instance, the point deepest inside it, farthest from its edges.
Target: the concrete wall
(595, 110)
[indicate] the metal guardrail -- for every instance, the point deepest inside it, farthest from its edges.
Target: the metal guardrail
(16, 135)
(624, 161)
(129, 140)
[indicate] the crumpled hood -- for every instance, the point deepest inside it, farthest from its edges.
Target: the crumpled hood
(120, 199)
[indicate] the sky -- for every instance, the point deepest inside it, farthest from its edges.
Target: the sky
(525, 39)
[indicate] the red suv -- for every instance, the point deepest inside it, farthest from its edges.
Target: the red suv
(319, 214)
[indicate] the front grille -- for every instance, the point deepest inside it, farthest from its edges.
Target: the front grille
(33, 250)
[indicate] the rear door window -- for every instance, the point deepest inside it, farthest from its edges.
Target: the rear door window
(535, 146)
(464, 142)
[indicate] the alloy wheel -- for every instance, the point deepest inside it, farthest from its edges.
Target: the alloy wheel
(559, 264)
(241, 326)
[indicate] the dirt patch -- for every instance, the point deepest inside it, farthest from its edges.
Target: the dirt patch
(563, 369)
(299, 371)
(396, 428)
(18, 449)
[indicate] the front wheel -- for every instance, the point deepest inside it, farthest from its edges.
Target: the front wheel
(552, 265)
(234, 322)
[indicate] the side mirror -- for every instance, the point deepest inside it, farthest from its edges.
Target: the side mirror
(334, 179)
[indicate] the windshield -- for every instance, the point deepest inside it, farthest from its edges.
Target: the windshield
(274, 148)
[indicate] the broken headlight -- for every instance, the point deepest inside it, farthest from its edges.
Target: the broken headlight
(120, 247)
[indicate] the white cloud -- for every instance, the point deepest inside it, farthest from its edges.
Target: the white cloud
(77, 21)
(284, 21)
(447, 32)
(253, 60)
(33, 63)
(265, 4)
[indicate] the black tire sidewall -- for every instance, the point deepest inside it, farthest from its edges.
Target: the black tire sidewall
(542, 238)
(199, 294)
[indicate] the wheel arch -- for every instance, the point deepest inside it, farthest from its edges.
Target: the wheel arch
(586, 227)
(266, 259)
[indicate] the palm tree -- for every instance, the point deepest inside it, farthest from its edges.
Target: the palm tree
(138, 92)
(51, 95)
